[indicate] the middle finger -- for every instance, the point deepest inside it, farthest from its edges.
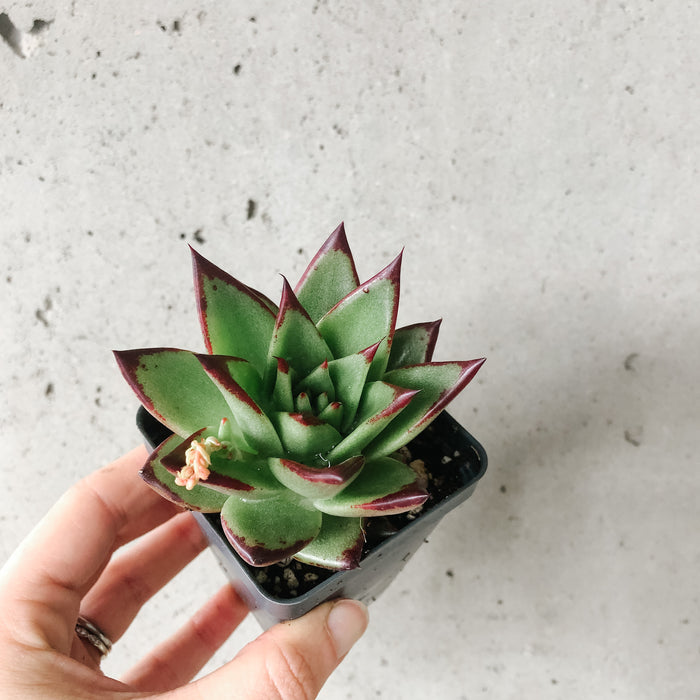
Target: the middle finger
(133, 576)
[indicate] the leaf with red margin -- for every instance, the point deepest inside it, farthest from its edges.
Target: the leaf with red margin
(439, 383)
(330, 276)
(162, 481)
(349, 375)
(265, 531)
(413, 345)
(295, 337)
(380, 404)
(303, 434)
(331, 413)
(230, 374)
(302, 403)
(174, 388)
(235, 319)
(385, 486)
(318, 382)
(282, 397)
(316, 482)
(365, 316)
(338, 546)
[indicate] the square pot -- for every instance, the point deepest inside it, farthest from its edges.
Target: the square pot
(451, 455)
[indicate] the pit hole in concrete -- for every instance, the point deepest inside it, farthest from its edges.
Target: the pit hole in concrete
(24, 44)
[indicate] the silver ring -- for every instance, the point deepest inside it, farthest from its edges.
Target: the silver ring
(93, 634)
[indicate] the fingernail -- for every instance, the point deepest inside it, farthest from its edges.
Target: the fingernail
(347, 622)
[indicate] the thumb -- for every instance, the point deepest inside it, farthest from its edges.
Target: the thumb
(292, 660)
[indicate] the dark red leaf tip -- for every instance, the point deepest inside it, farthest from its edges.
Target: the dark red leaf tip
(216, 366)
(337, 241)
(371, 351)
(289, 302)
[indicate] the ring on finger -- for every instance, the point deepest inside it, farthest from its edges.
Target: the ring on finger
(92, 634)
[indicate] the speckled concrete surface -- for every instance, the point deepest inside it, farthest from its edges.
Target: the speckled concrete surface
(539, 162)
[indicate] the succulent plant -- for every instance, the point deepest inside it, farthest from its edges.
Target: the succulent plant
(289, 424)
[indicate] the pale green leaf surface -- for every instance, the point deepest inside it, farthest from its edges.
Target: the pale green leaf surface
(331, 413)
(319, 382)
(296, 338)
(330, 276)
(250, 479)
(235, 319)
(282, 396)
(413, 345)
(338, 546)
(349, 375)
(316, 482)
(380, 404)
(258, 431)
(302, 404)
(438, 383)
(268, 530)
(360, 320)
(303, 435)
(173, 386)
(385, 486)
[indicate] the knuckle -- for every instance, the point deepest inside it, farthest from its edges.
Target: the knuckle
(139, 590)
(205, 633)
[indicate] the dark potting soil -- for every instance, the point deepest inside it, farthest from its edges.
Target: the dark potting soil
(432, 455)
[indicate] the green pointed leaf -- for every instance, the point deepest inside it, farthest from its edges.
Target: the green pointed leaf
(385, 486)
(338, 546)
(162, 481)
(330, 276)
(224, 368)
(282, 396)
(439, 383)
(331, 413)
(303, 403)
(303, 434)
(264, 531)
(316, 482)
(236, 320)
(365, 316)
(349, 375)
(322, 402)
(231, 374)
(319, 382)
(173, 387)
(295, 337)
(380, 404)
(413, 345)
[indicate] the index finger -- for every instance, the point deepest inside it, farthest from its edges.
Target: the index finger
(44, 581)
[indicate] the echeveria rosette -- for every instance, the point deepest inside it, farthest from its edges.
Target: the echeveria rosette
(289, 424)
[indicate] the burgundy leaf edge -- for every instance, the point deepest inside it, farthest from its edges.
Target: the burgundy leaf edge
(337, 241)
(201, 268)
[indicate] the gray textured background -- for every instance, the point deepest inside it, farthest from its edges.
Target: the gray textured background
(538, 160)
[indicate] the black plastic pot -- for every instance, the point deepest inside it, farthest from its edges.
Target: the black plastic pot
(450, 454)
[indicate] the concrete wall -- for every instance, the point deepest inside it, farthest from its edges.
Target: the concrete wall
(539, 162)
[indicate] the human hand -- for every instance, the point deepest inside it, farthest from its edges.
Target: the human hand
(65, 569)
